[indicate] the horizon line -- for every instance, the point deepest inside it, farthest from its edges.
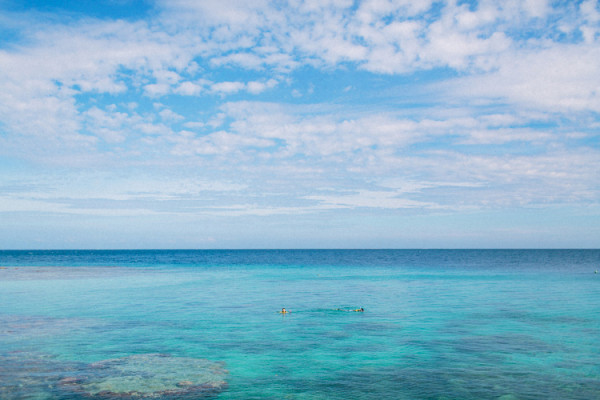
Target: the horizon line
(306, 249)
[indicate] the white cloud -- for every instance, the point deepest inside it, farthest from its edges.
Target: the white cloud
(511, 75)
(34, 206)
(380, 36)
(218, 143)
(41, 79)
(189, 88)
(560, 78)
(157, 89)
(109, 125)
(194, 125)
(256, 87)
(170, 116)
(109, 195)
(39, 88)
(253, 87)
(350, 136)
(371, 199)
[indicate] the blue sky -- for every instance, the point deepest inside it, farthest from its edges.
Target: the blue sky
(299, 124)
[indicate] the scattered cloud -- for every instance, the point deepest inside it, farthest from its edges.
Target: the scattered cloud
(559, 79)
(371, 199)
(386, 104)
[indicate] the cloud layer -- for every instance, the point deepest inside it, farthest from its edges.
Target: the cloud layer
(303, 107)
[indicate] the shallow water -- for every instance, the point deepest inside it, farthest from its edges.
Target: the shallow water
(438, 324)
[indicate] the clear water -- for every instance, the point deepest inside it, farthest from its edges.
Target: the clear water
(438, 324)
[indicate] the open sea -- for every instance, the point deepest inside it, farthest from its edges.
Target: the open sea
(167, 324)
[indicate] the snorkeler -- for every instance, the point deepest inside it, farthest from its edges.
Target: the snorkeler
(359, 310)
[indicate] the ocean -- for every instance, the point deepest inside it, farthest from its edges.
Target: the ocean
(206, 324)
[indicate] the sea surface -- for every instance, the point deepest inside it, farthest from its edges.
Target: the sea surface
(437, 324)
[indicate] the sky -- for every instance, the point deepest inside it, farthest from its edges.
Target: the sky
(128, 124)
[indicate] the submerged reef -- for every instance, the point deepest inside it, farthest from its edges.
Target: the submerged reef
(148, 376)
(32, 375)
(145, 376)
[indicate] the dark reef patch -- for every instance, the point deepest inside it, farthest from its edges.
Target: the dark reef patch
(148, 376)
(144, 376)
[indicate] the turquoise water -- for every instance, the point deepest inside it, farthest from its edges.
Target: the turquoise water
(438, 324)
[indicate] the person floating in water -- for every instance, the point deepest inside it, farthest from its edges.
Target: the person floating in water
(346, 309)
(283, 311)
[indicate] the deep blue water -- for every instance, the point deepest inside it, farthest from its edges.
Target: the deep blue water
(438, 324)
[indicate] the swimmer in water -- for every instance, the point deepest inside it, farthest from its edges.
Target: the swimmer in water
(346, 309)
(284, 311)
